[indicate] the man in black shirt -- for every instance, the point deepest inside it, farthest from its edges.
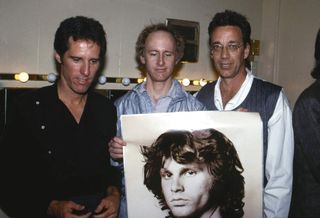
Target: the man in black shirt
(53, 150)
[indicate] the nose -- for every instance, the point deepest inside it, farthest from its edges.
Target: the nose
(85, 69)
(161, 59)
(176, 185)
(225, 52)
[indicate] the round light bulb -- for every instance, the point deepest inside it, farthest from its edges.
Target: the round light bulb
(102, 80)
(203, 82)
(22, 77)
(185, 82)
(51, 77)
(125, 81)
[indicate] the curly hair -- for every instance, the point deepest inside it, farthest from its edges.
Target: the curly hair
(207, 146)
(80, 27)
(142, 38)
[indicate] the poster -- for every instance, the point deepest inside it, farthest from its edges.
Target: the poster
(243, 129)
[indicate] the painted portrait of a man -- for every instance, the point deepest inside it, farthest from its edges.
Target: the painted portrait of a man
(193, 164)
(195, 174)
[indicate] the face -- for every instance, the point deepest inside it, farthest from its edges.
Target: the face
(79, 66)
(160, 56)
(186, 187)
(230, 53)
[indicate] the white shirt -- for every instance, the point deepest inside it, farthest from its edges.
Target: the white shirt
(279, 159)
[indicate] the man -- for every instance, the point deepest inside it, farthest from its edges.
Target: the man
(57, 166)
(306, 115)
(195, 174)
(158, 51)
(237, 89)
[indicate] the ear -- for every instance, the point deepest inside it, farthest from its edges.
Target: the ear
(57, 57)
(142, 59)
(247, 51)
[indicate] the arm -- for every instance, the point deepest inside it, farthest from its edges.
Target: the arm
(279, 160)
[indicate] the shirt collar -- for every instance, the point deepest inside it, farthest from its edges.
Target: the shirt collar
(238, 98)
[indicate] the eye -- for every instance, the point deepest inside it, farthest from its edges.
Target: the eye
(190, 173)
(153, 53)
(75, 59)
(165, 174)
(233, 47)
(216, 47)
(94, 61)
(168, 54)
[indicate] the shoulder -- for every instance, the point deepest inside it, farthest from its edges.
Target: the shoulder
(266, 85)
(310, 97)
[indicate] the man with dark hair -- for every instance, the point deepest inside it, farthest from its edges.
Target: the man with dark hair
(238, 89)
(195, 174)
(58, 166)
(306, 116)
(158, 51)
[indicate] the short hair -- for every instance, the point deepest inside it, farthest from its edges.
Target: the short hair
(142, 38)
(231, 18)
(207, 146)
(80, 27)
(316, 70)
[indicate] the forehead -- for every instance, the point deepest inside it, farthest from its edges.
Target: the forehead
(226, 34)
(171, 165)
(160, 38)
(82, 45)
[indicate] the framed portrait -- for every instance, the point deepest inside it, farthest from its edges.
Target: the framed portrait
(189, 30)
(231, 139)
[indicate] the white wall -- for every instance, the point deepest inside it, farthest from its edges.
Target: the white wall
(289, 29)
(27, 29)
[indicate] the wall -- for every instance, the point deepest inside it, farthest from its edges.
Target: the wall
(27, 29)
(288, 34)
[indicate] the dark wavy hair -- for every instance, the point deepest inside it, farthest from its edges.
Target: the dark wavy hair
(80, 27)
(232, 18)
(207, 146)
(316, 70)
(141, 41)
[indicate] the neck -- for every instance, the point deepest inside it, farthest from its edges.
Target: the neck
(73, 101)
(156, 90)
(229, 87)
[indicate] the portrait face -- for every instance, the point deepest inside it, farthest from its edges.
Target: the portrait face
(159, 56)
(186, 187)
(79, 66)
(229, 57)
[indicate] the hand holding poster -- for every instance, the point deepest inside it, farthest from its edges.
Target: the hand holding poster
(187, 164)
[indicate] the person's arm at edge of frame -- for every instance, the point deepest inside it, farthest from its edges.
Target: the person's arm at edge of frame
(279, 161)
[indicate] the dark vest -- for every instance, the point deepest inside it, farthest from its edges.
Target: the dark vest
(262, 98)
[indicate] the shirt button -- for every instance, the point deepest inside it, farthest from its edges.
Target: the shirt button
(43, 127)
(49, 152)
(37, 102)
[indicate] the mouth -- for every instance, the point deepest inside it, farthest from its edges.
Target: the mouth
(225, 65)
(179, 202)
(83, 81)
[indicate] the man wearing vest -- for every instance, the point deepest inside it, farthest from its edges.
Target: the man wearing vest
(237, 89)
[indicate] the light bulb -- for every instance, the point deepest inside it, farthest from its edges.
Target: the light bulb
(203, 82)
(185, 82)
(51, 77)
(22, 77)
(102, 80)
(125, 81)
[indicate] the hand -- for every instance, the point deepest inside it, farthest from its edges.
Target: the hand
(64, 209)
(108, 207)
(116, 148)
(242, 109)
